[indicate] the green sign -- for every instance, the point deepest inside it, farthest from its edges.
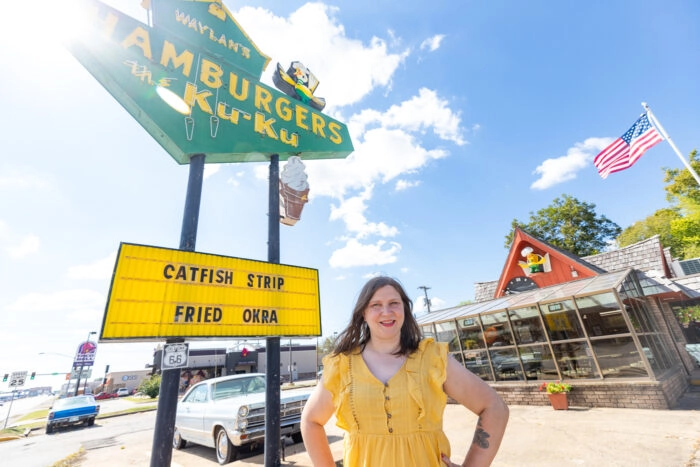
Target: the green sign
(210, 26)
(195, 88)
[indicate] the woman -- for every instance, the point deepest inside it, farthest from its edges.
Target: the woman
(388, 389)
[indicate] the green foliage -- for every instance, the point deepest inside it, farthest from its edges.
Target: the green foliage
(658, 223)
(571, 225)
(687, 315)
(555, 387)
(151, 386)
(681, 183)
(678, 226)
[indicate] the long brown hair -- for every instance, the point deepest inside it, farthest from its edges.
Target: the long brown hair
(357, 333)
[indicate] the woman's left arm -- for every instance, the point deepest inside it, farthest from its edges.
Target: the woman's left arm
(473, 393)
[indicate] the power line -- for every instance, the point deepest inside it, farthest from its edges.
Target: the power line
(427, 300)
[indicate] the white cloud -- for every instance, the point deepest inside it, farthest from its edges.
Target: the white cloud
(235, 179)
(25, 246)
(387, 143)
(355, 253)
(100, 269)
(405, 184)
(425, 111)
(419, 306)
(15, 180)
(347, 69)
(564, 168)
(211, 169)
(432, 43)
(351, 211)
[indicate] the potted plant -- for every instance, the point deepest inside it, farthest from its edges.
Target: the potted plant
(557, 393)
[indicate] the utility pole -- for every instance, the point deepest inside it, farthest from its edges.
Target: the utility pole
(427, 300)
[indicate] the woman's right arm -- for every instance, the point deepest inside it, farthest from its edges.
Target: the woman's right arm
(317, 411)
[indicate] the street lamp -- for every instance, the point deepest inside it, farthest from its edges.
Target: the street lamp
(61, 355)
(80, 374)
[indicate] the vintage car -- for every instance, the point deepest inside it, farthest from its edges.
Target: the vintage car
(72, 410)
(228, 414)
(105, 395)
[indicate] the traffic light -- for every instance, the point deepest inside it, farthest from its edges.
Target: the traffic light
(4, 378)
(33, 375)
(244, 352)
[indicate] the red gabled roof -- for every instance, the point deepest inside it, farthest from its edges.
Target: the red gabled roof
(560, 265)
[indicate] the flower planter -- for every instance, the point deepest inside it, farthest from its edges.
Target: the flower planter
(559, 401)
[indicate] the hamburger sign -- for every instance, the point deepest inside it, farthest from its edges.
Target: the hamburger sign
(192, 81)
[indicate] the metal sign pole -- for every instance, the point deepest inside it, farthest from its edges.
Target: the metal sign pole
(162, 451)
(272, 405)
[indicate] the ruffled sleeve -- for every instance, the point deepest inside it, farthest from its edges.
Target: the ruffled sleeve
(427, 372)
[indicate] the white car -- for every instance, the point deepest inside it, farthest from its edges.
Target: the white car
(228, 413)
(123, 392)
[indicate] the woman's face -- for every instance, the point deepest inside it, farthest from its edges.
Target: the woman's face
(384, 314)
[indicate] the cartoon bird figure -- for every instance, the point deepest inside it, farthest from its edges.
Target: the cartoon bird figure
(298, 82)
(535, 262)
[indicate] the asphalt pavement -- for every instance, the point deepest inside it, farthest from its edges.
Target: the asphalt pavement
(536, 436)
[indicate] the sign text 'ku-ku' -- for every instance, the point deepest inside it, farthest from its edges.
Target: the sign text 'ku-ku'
(161, 293)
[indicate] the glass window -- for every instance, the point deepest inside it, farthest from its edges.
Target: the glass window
(619, 358)
(198, 394)
(428, 331)
(561, 320)
(497, 329)
(526, 324)
(655, 352)
(506, 364)
(641, 319)
(470, 333)
(574, 360)
(477, 362)
(601, 315)
(537, 362)
(447, 332)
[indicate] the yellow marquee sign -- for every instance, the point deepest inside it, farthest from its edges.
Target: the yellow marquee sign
(159, 293)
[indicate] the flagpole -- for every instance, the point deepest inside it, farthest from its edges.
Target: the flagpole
(667, 138)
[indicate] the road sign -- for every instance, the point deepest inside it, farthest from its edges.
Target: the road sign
(161, 293)
(175, 356)
(17, 379)
(85, 374)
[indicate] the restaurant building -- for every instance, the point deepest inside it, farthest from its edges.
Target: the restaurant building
(603, 323)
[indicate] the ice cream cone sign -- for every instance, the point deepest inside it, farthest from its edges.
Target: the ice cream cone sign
(294, 190)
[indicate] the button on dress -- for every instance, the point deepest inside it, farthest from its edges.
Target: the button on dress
(398, 424)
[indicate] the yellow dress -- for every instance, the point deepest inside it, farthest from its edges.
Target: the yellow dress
(398, 424)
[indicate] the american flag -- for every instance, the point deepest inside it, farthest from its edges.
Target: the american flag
(627, 149)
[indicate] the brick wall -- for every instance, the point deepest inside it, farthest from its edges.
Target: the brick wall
(657, 395)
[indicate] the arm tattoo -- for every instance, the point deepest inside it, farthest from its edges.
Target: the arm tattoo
(481, 437)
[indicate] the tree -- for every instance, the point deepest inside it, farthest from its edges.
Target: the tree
(151, 386)
(678, 226)
(571, 225)
(658, 223)
(683, 192)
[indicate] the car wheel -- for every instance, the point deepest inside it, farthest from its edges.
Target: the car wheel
(297, 438)
(49, 429)
(225, 451)
(178, 442)
(90, 422)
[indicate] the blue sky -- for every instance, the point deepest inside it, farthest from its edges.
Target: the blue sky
(464, 116)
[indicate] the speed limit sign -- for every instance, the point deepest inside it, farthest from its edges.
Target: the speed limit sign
(175, 356)
(17, 379)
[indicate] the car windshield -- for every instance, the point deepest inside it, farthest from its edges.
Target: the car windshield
(73, 402)
(237, 387)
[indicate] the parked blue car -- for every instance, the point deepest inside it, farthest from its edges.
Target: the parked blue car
(71, 411)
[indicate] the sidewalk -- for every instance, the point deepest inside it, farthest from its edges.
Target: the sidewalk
(536, 436)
